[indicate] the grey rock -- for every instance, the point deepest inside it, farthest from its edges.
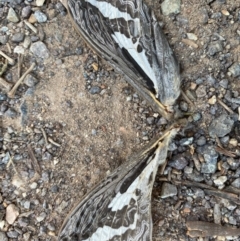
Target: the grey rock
(188, 170)
(40, 50)
(183, 106)
(186, 141)
(168, 190)
(236, 183)
(204, 16)
(26, 11)
(27, 204)
(235, 70)
(183, 21)
(210, 156)
(197, 116)
(41, 217)
(201, 141)
(95, 90)
(40, 16)
(150, 120)
(18, 37)
(233, 163)
(224, 83)
(30, 80)
(196, 177)
(79, 51)
(46, 156)
(12, 16)
(3, 97)
(171, 6)
(23, 222)
(3, 236)
(221, 126)
(11, 113)
(211, 80)
(12, 234)
(3, 39)
(201, 91)
(214, 48)
(54, 189)
(178, 162)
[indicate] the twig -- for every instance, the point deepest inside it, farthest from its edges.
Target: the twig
(186, 98)
(10, 60)
(36, 166)
(11, 93)
(225, 106)
(20, 58)
(45, 136)
(31, 26)
(53, 142)
(225, 152)
(5, 84)
(206, 229)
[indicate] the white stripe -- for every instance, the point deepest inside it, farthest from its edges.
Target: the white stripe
(109, 11)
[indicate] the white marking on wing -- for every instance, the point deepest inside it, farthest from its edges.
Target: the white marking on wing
(140, 58)
(109, 11)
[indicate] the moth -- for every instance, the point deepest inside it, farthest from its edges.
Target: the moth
(127, 35)
(119, 208)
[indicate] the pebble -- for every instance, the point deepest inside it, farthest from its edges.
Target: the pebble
(19, 50)
(197, 116)
(212, 100)
(46, 156)
(27, 204)
(12, 212)
(235, 70)
(30, 80)
(183, 106)
(186, 141)
(150, 120)
(11, 113)
(32, 19)
(201, 91)
(33, 185)
(40, 50)
(26, 11)
(221, 126)
(12, 16)
(3, 39)
(224, 83)
(178, 162)
(171, 6)
(41, 217)
(233, 142)
(3, 236)
(40, 16)
(192, 36)
(201, 141)
(210, 156)
(236, 183)
(220, 180)
(40, 3)
(168, 190)
(95, 90)
(12, 234)
(18, 37)
(3, 97)
(214, 48)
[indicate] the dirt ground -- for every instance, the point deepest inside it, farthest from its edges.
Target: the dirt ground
(95, 133)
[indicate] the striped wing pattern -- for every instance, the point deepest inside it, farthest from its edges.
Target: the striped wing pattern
(119, 208)
(127, 35)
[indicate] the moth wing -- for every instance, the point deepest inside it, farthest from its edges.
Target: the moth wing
(119, 208)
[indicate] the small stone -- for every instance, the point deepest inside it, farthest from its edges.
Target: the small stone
(178, 162)
(3, 236)
(233, 142)
(235, 70)
(214, 48)
(220, 180)
(79, 51)
(40, 50)
(12, 16)
(186, 141)
(212, 100)
(54, 189)
(188, 170)
(11, 113)
(224, 83)
(210, 157)
(33, 185)
(201, 141)
(12, 234)
(183, 106)
(168, 190)
(40, 16)
(150, 120)
(192, 36)
(40, 3)
(46, 156)
(19, 50)
(26, 204)
(236, 183)
(32, 19)
(221, 126)
(41, 217)
(18, 37)
(30, 80)
(197, 116)
(12, 212)
(95, 90)
(26, 42)
(201, 91)
(171, 6)
(26, 11)
(3, 39)
(225, 12)
(3, 97)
